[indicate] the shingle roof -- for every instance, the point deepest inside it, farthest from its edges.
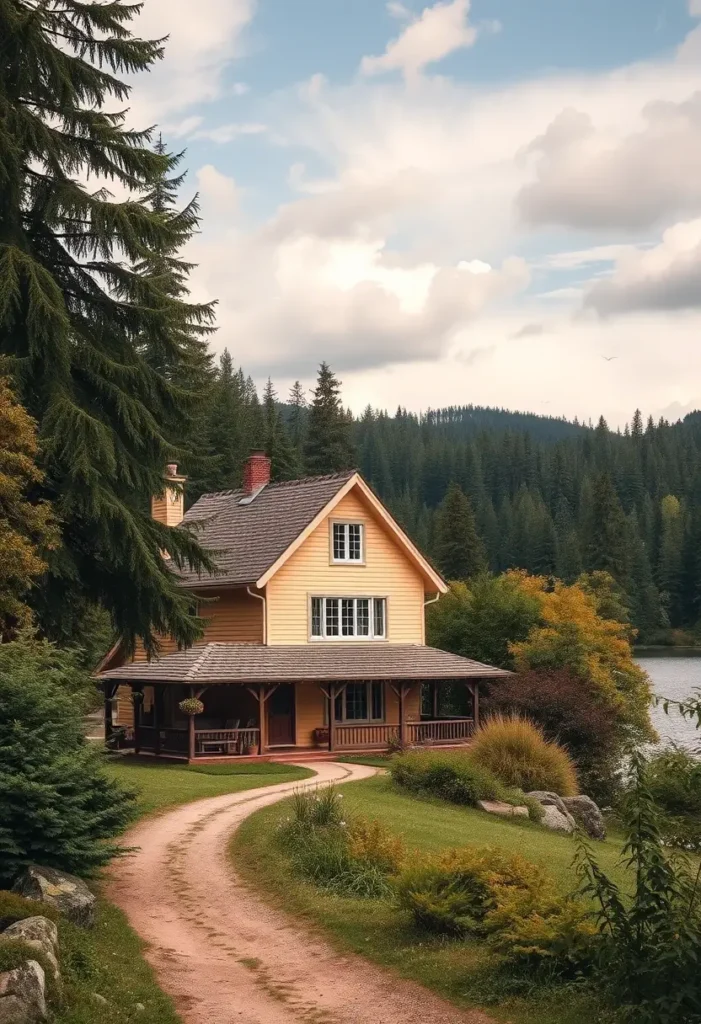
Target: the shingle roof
(255, 663)
(248, 539)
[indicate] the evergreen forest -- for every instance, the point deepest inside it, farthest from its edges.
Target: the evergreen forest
(488, 489)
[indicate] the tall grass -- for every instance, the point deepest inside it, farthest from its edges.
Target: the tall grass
(516, 751)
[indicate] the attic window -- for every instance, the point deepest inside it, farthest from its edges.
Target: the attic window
(347, 542)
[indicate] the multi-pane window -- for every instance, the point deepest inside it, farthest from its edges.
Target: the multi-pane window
(349, 618)
(360, 702)
(347, 542)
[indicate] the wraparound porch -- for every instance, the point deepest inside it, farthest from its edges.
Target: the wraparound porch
(262, 720)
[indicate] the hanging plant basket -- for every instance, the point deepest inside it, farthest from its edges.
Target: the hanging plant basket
(191, 706)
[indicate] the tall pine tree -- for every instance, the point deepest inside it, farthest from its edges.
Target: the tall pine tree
(79, 301)
(329, 446)
(458, 547)
(277, 444)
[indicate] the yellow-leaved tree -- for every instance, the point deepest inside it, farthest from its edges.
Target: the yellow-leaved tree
(573, 634)
(27, 527)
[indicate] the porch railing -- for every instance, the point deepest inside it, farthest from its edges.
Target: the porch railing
(444, 730)
(365, 735)
(162, 741)
(226, 742)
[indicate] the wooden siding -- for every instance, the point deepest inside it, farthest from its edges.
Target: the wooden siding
(232, 615)
(386, 572)
(310, 705)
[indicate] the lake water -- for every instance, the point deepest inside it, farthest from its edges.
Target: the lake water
(674, 674)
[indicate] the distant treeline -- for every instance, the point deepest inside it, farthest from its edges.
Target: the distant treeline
(550, 496)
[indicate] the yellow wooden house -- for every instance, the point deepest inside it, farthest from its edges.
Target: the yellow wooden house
(314, 632)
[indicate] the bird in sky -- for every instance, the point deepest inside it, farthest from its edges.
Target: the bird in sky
(609, 358)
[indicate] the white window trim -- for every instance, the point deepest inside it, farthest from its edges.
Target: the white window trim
(347, 561)
(370, 638)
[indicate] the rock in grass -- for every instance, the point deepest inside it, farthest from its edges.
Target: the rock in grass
(506, 810)
(23, 994)
(587, 815)
(546, 799)
(555, 820)
(68, 894)
(39, 933)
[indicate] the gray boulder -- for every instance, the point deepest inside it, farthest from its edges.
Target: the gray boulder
(562, 821)
(506, 810)
(40, 934)
(555, 820)
(68, 894)
(22, 994)
(587, 815)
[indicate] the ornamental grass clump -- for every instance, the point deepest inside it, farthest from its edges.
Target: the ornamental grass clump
(516, 751)
(450, 775)
(351, 856)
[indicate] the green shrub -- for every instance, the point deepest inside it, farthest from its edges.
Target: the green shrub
(57, 805)
(14, 907)
(450, 775)
(536, 929)
(651, 939)
(453, 893)
(352, 857)
(515, 750)
(674, 780)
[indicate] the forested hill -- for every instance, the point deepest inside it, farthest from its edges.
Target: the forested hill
(544, 494)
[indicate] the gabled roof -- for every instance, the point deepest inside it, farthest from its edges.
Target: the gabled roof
(251, 541)
(248, 539)
(343, 662)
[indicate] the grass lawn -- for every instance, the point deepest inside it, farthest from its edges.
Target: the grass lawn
(461, 971)
(108, 960)
(161, 786)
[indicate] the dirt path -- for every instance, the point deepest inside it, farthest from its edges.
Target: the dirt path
(224, 955)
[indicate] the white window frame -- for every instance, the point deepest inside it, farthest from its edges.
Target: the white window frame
(346, 560)
(369, 636)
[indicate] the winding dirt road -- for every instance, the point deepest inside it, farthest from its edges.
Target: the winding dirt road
(224, 955)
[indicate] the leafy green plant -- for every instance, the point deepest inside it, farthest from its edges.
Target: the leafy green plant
(452, 776)
(651, 939)
(352, 857)
(454, 892)
(674, 779)
(516, 751)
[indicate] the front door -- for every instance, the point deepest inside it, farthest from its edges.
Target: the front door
(281, 716)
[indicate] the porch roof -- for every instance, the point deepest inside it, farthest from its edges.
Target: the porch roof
(255, 663)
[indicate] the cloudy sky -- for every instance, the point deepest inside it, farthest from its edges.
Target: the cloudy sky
(451, 202)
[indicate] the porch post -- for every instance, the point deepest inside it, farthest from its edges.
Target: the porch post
(191, 729)
(434, 686)
(262, 724)
(109, 689)
(402, 713)
(476, 704)
(136, 706)
(156, 723)
(332, 716)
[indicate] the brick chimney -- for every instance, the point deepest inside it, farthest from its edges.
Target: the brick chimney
(256, 473)
(169, 508)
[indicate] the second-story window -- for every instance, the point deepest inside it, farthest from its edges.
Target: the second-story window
(348, 618)
(347, 542)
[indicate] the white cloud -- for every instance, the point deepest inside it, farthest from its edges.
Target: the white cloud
(590, 178)
(664, 278)
(218, 190)
(695, 8)
(437, 32)
(228, 132)
(202, 39)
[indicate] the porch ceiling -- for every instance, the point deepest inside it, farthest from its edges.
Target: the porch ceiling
(252, 663)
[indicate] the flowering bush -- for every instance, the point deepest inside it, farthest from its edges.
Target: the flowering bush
(191, 706)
